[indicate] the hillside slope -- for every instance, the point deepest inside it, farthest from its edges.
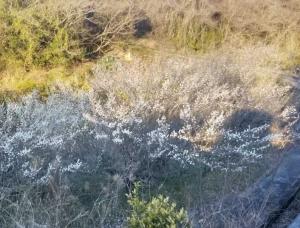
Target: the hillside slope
(192, 100)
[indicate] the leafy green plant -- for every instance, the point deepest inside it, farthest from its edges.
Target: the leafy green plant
(158, 212)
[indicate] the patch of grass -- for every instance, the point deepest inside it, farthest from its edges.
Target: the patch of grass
(208, 25)
(18, 82)
(289, 46)
(192, 33)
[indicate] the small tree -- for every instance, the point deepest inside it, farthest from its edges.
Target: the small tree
(158, 212)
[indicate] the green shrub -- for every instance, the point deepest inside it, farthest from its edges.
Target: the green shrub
(158, 212)
(35, 37)
(50, 33)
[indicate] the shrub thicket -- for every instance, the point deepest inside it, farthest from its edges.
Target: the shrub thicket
(47, 34)
(35, 37)
(44, 43)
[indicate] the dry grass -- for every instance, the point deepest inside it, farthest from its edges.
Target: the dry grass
(98, 27)
(17, 82)
(212, 22)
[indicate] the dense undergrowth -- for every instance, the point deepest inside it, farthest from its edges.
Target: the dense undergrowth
(194, 99)
(38, 36)
(157, 123)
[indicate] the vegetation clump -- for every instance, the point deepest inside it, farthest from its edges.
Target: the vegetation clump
(35, 37)
(41, 37)
(158, 212)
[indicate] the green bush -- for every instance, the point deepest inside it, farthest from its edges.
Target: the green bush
(35, 37)
(49, 33)
(158, 212)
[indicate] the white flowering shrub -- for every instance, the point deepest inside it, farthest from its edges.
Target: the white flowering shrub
(155, 115)
(193, 99)
(150, 123)
(239, 149)
(40, 138)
